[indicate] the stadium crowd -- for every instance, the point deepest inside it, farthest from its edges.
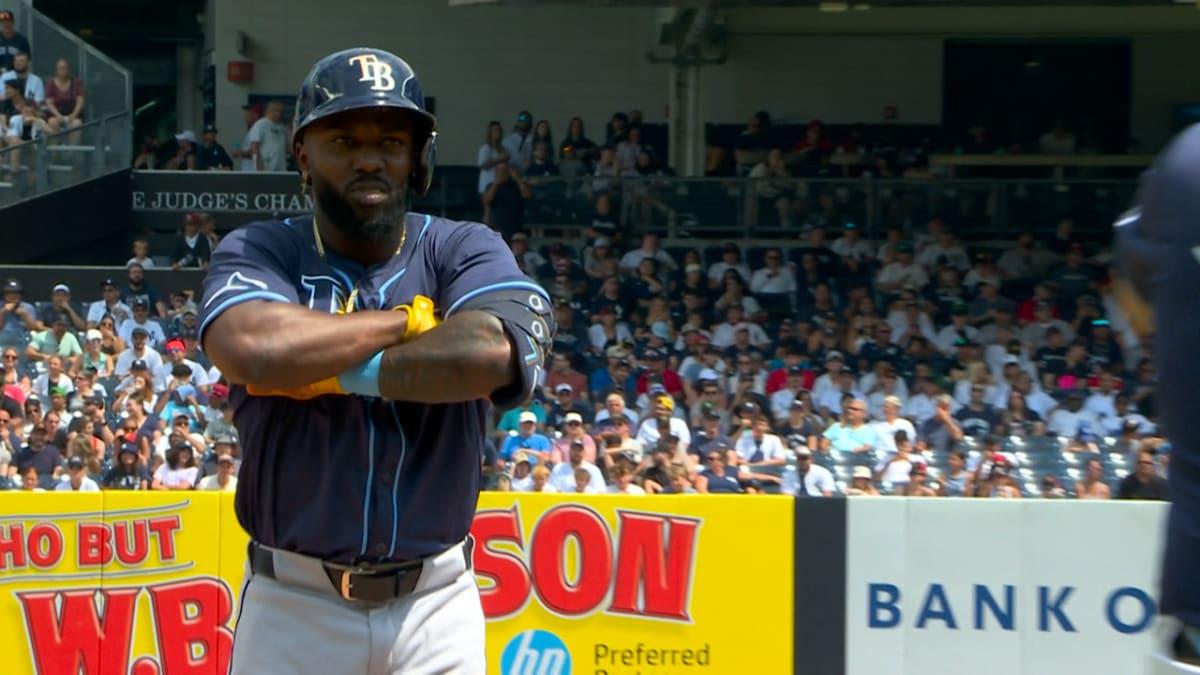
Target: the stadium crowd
(914, 364)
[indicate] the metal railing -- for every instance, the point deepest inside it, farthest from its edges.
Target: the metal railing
(779, 208)
(108, 86)
(58, 160)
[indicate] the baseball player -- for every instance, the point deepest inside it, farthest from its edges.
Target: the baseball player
(366, 346)
(1158, 248)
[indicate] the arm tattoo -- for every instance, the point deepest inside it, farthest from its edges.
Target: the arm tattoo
(467, 357)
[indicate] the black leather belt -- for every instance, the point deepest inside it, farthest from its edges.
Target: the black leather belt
(364, 583)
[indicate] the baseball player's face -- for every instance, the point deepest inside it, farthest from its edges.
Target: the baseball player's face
(360, 162)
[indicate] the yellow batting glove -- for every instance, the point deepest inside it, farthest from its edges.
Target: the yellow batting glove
(420, 317)
(302, 393)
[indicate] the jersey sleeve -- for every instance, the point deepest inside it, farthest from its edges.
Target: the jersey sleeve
(477, 271)
(249, 264)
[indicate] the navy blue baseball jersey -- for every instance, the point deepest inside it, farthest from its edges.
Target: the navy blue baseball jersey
(354, 478)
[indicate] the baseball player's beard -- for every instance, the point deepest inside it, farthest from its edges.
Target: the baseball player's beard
(379, 223)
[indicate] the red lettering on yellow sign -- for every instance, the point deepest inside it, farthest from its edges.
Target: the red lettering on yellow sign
(646, 572)
(76, 635)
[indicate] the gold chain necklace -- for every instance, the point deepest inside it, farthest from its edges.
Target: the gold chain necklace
(352, 301)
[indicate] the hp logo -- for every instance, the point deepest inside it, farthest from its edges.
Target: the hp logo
(535, 652)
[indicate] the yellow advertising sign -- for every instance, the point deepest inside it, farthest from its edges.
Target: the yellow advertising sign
(119, 583)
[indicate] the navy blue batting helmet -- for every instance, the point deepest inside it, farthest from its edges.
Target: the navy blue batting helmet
(369, 78)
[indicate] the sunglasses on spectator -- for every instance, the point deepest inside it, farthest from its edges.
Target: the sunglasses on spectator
(713, 458)
(572, 424)
(1143, 462)
(10, 357)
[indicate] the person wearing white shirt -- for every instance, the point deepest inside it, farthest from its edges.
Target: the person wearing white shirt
(268, 141)
(758, 447)
(53, 378)
(519, 143)
(923, 406)
(831, 379)
(35, 88)
(223, 480)
(650, 431)
(110, 303)
(807, 479)
(1073, 419)
(945, 247)
(948, 337)
(901, 272)
(76, 480)
(1115, 424)
(630, 262)
(774, 277)
(623, 481)
(731, 259)
(1102, 401)
(725, 333)
(562, 477)
(176, 355)
(781, 401)
(152, 330)
(851, 245)
(885, 429)
(139, 351)
(896, 465)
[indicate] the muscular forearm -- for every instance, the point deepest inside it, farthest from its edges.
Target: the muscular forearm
(273, 345)
(467, 357)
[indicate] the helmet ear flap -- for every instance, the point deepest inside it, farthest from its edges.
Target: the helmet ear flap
(423, 171)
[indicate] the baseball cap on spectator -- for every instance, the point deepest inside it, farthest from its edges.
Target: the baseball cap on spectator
(5, 15)
(108, 282)
(861, 472)
(75, 464)
(13, 286)
(747, 408)
(656, 388)
(139, 364)
(524, 116)
(518, 236)
(892, 401)
(796, 369)
(834, 356)
(804, 451)
(692, 267)
(176, 345)
(219, 391)
(224, 458)
(708, 374)
(602, 242)
(93, 334)
(188, 135)
(227, 438)
(659, 329)
(256, 107)
(521, 456)
(141, 302)
(616, 352)
(652, 355)
(61, 288)
(527, 416)
(210, 128)
(797, 404)
(573, 416)
(709, 411)
(564, 388)
(139, 330)
(128, 447)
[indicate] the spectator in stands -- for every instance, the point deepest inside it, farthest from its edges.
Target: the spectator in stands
(184, 158)
(1023, 262)
(956, 481)
(11, 42)
(44, 458)
(16, 315)
(141, 254)
(599, 262)
(93, 357)
(179, 471)
(109, 304)
(1035, 333)
(505, 200)
(576, 152)
(854, 251)
(563, 475)
(664, 423)
(1074, 279)
(1144, 482)
(251, 113)
(807, 479)
(128, 472)
(60, 303)
(542, 165)
(177, 356)
(57, 340)
(1093, 486)
(528, 439)
(725, 334)
(753, 144)
(887, 428)
(76, 480)
(12, 101)
(731, 259)
(774, 187)
(137, 289)
(735, 294)
(622, 478)
(895, 467)
(916, 485)
(756, 446)
(607, 330)
(34, 89)
(491, 154)
(774, 277)
(140, 322)
(902, 272)
(944, 250)
(941, 431)
(192, 249)
(1073, 420)
(850, 435)
(211, 155)
(224, 480)
(269, 139)
(65, 97)
(519, 142)
(715, 478)
(861, 484)
(1058, 140)
(1125, 418)
(139, 351)
(650, 248)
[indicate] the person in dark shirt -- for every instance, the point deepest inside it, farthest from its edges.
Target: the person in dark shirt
(717, 479)
(505, 199)
(11, 42)
(576, 146)
(977, 418)
(1052, 358)
(41, 455)
(192, 249)
(1144, 482)
(816, 245)
(137, 289)
(211, 155)
(753, 144)
(542, 164)
(127, 472)
(1074, 278)
(1103, 349)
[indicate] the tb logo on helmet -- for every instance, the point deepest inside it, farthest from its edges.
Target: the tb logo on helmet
(375, 71)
